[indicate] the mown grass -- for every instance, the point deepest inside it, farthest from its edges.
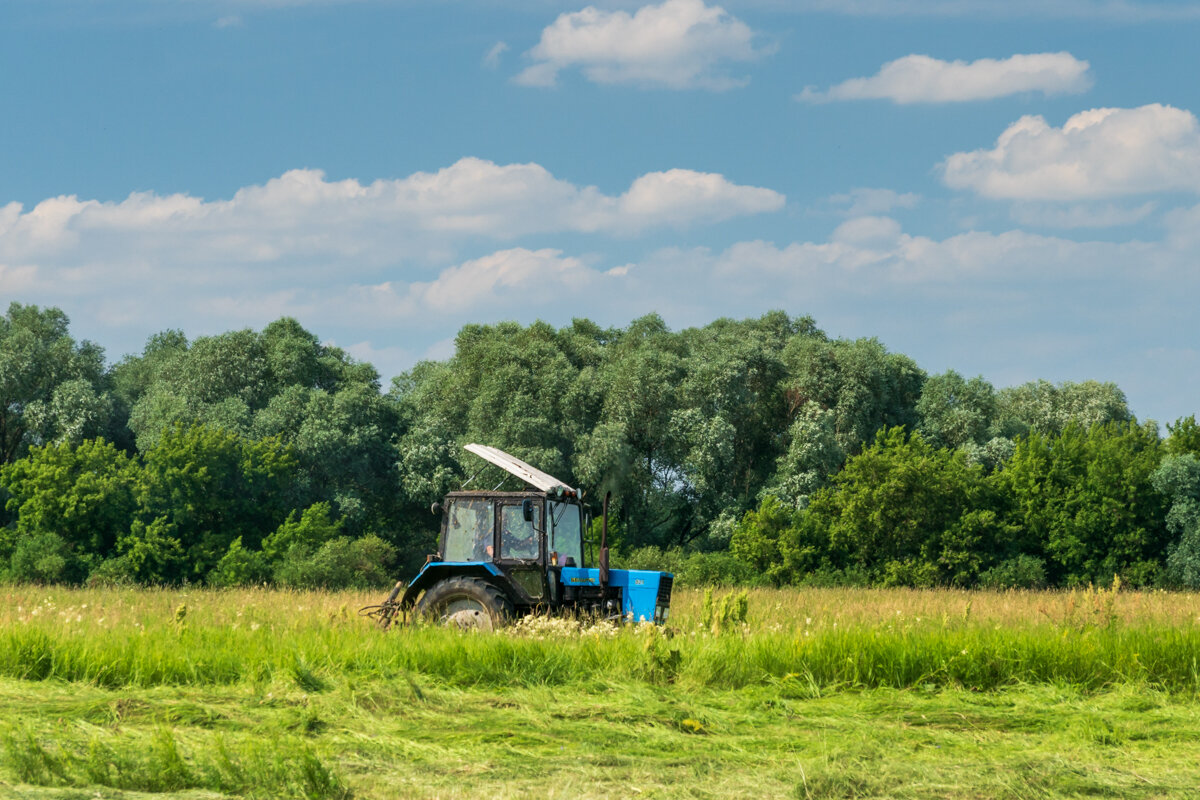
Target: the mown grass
(820, 693)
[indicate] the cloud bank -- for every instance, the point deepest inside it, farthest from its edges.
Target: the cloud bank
(1101, 153)
(680, 44)
(302, 216)
(922, 79)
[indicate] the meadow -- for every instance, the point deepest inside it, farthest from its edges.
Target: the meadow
(785, 693)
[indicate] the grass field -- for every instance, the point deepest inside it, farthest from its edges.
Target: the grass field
(818, 693)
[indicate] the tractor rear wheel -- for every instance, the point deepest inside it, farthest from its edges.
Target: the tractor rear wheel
(466, 603)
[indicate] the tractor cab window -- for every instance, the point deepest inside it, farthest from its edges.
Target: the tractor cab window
(565, 536)
(469, 530)
(518, 538)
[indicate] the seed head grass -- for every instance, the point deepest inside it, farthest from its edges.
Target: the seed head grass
(833, 639)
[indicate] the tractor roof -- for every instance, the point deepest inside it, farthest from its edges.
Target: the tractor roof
(515, 466)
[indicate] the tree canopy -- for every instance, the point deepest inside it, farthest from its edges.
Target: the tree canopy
(757, 447)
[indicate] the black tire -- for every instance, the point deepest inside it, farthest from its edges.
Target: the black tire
(467, 603)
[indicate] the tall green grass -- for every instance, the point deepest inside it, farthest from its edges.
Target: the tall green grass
(182, 649)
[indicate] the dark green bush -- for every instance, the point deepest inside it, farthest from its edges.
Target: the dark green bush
(695, 568)
(45, 558)
(1022, 572)
(341, 563)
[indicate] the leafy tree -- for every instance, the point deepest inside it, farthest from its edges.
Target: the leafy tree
(1178, 480)
(82, 494)
(1043, 407)
(955, 412)
(310, 553)
(341, 563)
(200, 489)
(280, 383)
(905, 512)
(45, 558)
(814, 455)
(865, 386)
(731, 414)
(343, 443)
(1084, 501)
(52, 389)
(1184, 436)
(779, 542)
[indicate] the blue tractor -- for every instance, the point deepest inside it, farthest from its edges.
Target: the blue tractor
(502, 555)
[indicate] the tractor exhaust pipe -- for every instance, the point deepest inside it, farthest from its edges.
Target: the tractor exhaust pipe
(604, 543)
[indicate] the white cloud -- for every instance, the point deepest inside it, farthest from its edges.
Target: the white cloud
(922, 79)
(865, 202)
(489, 278)
(302, 217)
(1129, 11)
(679, 196)
(1087, 215)
(680, 44)
(491, 59)
(1104, 152)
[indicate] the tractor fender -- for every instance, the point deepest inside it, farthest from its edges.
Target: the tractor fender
(437, 571)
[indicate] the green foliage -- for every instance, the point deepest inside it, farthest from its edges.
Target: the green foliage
(1084, 501)
(1022, 572)
(51, 388)
(239, 567)
(693, 568)
(740, 451)
(283, 384)
(1184, 436)
(955, 412)
(1046, 408)
(151, 554)
(199, 490)
(866, 387)
(315, 526)
(908, 514)
(45, 557)
(341, 563)
(83, 494)
(1178, 480)
(778, 542)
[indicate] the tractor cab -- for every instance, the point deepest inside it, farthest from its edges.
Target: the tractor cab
(527, 536)
(505, 554)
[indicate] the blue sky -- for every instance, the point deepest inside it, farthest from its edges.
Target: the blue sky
(1009, 189)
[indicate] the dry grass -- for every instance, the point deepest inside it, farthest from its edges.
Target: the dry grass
(771, 610)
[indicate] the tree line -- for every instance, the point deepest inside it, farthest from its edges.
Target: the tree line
(756, 450)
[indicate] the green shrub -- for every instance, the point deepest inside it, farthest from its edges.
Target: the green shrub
(694, 568)
(45, 558)
(315, 527)
(116, 571)
(909, 572)
(1022, 572)
(341, 563)
(239, 567)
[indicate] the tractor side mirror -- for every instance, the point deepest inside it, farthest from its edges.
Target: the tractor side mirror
(436, 508)
(527, 509)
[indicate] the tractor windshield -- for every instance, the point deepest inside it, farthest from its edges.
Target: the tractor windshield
(565, 536)
(469, 530)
